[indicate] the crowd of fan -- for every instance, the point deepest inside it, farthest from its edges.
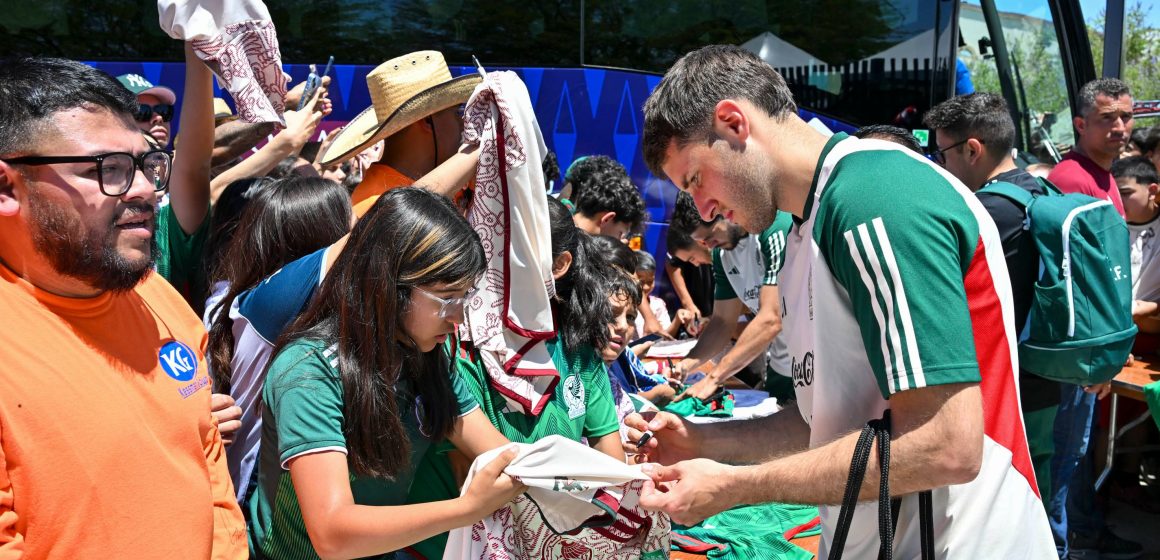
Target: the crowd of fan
(331, 277)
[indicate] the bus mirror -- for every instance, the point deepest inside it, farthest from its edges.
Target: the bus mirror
(985, 48)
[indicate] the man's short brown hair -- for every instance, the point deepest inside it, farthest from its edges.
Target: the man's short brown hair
(681, 107)
(32, 90)
(978, 115)
(1111, 87)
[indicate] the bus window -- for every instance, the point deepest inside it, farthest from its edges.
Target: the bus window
(364, 32)
(1040, 101)
(859, 61)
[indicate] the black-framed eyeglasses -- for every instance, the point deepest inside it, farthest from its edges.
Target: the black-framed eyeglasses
(115, 170)
(145, 112)
(940, 156)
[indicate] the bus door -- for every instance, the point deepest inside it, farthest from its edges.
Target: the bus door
(1035, 53)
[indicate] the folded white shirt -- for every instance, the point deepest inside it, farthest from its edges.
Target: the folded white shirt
(578, 499)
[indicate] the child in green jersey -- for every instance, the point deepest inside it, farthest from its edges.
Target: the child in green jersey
(359, 389)
(581, 405)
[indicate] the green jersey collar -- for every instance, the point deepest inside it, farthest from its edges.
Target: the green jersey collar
(809, 206)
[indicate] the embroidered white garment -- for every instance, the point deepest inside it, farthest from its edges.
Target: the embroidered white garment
(237, 40)
(580, 503)
(510, 315)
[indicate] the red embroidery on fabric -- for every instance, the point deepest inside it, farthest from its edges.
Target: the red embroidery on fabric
(490, 122)
(525, 536)
(246, 59)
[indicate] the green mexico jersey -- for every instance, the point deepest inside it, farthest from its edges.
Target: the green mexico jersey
(581, 403)
(895, 280)
(179, 256)
(304, 414)
(581, 406)
(755, 531)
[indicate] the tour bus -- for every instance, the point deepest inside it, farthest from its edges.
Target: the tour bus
(590, 64)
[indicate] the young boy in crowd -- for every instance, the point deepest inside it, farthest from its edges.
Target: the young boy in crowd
(625, 371)
(609, 205)
(1137, 180)
(646, 274)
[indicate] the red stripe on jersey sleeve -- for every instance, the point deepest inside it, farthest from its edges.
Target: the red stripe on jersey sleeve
(1003, 422)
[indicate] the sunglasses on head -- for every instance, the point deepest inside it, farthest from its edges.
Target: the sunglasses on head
(145, 112)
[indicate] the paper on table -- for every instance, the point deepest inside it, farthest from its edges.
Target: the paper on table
(671, 348)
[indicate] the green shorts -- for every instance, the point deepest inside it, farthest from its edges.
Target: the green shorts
(779, 387)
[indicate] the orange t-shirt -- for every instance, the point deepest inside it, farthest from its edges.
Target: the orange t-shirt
(377, 180)
(107, 445)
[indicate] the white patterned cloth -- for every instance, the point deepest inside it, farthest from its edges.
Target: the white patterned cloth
(510, 315)
(580, 504)
(237, 40)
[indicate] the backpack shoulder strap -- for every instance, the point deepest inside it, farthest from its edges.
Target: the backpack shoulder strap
(1049, 186)
(1009, 191)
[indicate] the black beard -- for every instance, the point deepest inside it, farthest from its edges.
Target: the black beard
(736, 234)
(89, 256)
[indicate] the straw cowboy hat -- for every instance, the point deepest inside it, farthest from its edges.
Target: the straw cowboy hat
(403, 90)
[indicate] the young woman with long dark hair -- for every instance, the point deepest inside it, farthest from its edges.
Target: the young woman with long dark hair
(581, 405)
(280, 222)
(286, 220)
(359, 388)
(223, 223)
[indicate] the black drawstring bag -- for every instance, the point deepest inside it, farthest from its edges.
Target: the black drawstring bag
(887, 508)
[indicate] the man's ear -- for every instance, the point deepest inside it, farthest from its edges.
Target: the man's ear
(561, 265)
(9, 204)
(1079, 123)
(1153, 189)
(731, 122)
(607, 218)
(978, 150)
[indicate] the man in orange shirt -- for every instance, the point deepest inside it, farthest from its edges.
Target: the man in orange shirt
(416, 107)
(107, 445)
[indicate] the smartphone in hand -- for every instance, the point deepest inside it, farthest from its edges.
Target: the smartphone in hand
(313, 82)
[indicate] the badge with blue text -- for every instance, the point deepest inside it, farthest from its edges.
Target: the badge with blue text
(178, 360)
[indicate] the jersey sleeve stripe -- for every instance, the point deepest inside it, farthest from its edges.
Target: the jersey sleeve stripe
(856, 258)
(285, 465)
(777, 253)
(903, 306)
(887, 294)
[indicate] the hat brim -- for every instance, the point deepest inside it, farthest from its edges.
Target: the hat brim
(365, 129)
(163, 93)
